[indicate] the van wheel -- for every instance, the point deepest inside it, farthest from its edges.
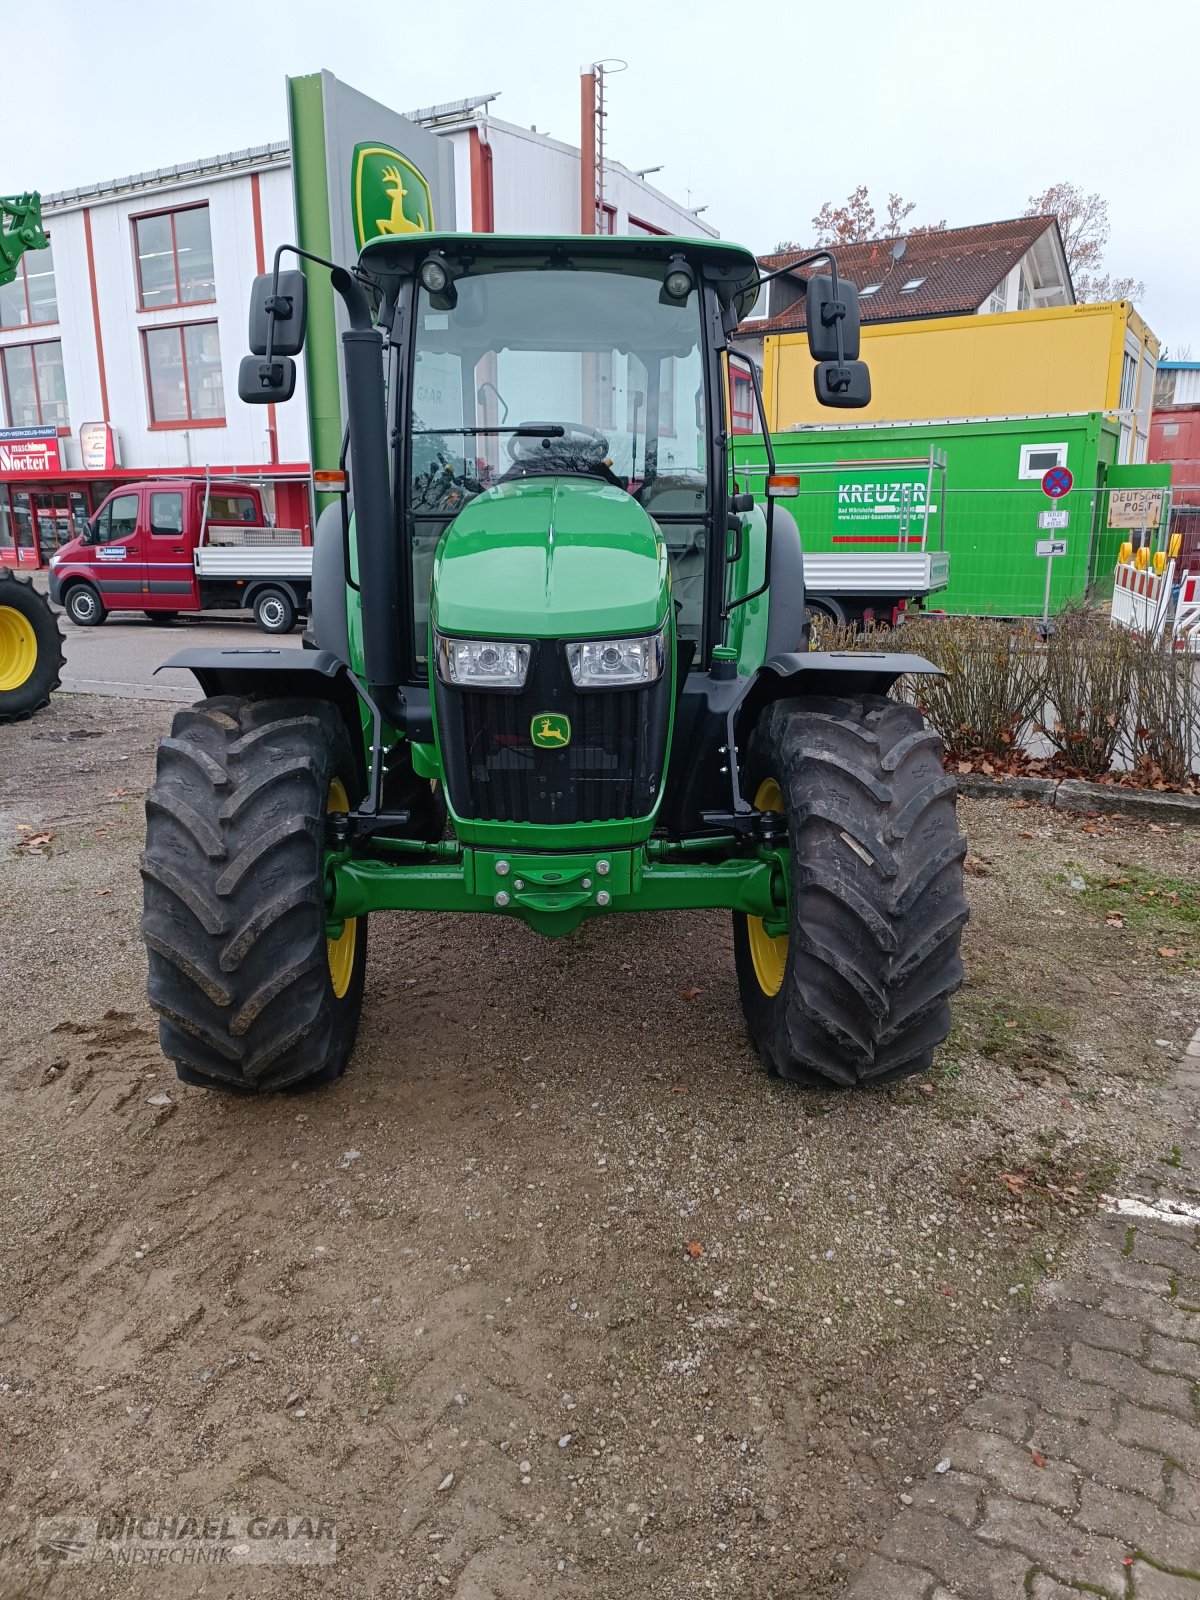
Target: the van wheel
(274, 612)
(85, 607)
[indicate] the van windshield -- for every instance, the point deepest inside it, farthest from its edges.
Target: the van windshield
(553, 369)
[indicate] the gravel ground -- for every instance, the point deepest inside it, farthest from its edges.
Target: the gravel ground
(555, 1293)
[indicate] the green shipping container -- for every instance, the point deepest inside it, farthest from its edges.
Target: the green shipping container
(985, 505)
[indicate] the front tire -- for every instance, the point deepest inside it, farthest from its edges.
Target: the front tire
(858, 991)
(31, 653)
(84, 606)
(251, 993)
(274, 611)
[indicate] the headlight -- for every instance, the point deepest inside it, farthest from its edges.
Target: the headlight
(482, 663)
(616, 663)
(56, 558)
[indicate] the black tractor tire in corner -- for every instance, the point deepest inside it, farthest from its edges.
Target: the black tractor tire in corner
(274, 611)
(31, 652)
(859, 990)
(250, 992)
(84, 606)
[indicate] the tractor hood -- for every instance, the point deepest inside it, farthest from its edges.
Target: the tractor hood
(551, 558)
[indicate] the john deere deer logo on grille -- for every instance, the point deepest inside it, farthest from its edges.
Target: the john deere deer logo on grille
(390, 195)
(550, 730)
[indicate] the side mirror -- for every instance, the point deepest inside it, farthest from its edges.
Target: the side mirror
(846, 384)
(823, 314)
(265, 383)
(288, 308)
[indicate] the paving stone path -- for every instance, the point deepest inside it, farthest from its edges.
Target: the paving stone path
(1078, 1471)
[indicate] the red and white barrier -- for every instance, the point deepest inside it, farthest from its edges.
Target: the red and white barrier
(1141, 598)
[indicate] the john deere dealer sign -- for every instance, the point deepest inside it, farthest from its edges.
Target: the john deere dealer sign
(360, 171)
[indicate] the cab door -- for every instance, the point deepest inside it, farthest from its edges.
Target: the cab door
(170, 573)
(118, 564)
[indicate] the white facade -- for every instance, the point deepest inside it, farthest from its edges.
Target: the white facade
(101, 324)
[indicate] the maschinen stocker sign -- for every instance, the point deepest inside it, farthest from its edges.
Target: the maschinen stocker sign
(29, 452)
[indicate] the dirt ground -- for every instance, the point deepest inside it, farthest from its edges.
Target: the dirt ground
(555, 1293)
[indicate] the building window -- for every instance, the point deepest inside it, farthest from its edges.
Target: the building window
(1128, 381)
(34, 387)
(183, 375)
(174, 258)
(637, 226)
(911, 286)
(1024, 297)
(1039, 459)
(871, 288)
(999, 301)
(30, 298)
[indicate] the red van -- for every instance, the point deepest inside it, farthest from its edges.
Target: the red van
(166, 546)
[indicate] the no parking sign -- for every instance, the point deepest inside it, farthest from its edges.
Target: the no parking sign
(1057, 482)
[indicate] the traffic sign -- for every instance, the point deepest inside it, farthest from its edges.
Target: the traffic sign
(1057, 482)
(1054, 519)
(1051, 547)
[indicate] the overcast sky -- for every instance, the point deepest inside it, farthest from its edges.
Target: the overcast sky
(760, 112)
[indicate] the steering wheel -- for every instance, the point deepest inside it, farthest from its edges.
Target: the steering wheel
(575, 440)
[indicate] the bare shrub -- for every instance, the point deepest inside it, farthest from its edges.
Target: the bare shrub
(1165, 737)
(1089, 684)
(992, 686)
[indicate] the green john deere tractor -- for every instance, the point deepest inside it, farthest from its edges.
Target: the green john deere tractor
(31, 654)
(560, 671)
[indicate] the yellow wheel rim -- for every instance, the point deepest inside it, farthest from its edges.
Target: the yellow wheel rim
(340, 951)
(18, 649)
(768, 953)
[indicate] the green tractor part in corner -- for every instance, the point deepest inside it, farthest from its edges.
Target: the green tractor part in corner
(20, 230)
(558, 669)
(31, 652)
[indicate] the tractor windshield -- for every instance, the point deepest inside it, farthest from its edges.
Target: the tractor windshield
(549, 369)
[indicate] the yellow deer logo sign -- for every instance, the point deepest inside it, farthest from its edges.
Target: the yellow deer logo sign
(550, 730)
(390, 195)
(397, 222)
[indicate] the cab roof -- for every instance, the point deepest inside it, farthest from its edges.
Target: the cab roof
(732, 268)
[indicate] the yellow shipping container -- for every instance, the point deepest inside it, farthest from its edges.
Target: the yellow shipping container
(1012, 363)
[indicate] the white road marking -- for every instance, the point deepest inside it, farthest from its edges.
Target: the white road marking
(1179, 1211)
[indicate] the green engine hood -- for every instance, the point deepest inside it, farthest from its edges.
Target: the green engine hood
(551, 558)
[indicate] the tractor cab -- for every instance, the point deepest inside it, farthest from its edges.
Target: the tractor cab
(589, 364)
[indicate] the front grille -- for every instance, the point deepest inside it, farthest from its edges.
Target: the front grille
(611, 769)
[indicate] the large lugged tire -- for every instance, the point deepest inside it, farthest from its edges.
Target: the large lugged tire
(858, 989)
(249, 991)
(31, 652)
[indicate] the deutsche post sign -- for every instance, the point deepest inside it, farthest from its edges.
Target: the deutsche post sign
(1134, 508)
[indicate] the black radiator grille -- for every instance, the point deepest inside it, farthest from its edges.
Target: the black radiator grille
(611, 769)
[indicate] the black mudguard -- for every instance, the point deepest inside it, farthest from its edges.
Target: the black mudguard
(274, 673)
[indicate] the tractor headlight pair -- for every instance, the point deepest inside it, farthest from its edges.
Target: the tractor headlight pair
(594, 663)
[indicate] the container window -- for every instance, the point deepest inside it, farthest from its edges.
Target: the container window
(1038, 459)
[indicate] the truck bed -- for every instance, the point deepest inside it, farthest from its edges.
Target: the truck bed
(906, 575)
(254, 561)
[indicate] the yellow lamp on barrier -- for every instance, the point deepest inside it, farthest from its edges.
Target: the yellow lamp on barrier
(1125, 553)
(1160, 562)
(1174, 545)
(1141, 558)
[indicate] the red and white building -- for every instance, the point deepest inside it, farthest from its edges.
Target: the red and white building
(119, 346)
